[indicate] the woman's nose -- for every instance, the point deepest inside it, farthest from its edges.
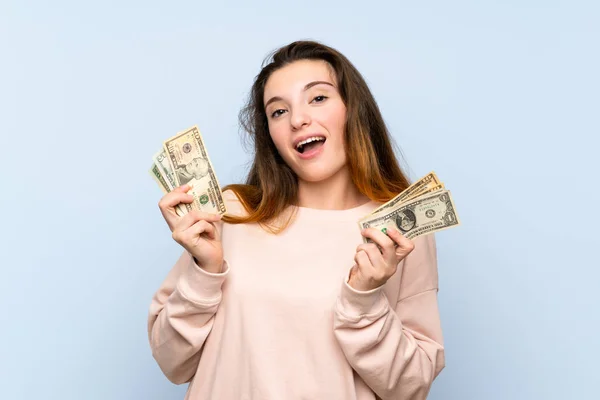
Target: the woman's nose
(299, 119)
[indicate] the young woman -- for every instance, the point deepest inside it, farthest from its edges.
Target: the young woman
(280, 299)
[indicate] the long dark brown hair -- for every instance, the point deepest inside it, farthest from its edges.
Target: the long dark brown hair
(271, 185)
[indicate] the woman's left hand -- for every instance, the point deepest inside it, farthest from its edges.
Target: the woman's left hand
(374, 266)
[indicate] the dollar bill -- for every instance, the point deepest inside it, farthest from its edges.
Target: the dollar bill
(164, 186)
(191, 165)
(162, 162)
(426, 184)
(157, 176)
(425, 190)
(166, 169)
(422, 215)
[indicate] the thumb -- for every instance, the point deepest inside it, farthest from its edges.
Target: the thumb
(182, 188)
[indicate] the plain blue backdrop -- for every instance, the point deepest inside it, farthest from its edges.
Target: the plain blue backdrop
(501, 99)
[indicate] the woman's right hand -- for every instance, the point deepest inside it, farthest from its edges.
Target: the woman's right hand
(195, 231)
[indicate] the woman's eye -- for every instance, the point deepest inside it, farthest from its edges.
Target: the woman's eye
(319, 99)
(277, 113)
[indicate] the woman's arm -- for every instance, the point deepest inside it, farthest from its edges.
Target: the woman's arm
(181, 317)
(398, 351)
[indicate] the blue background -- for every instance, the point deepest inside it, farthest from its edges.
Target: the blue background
(501, 99)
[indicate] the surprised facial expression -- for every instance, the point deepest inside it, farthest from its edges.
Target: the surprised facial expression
(306, 117)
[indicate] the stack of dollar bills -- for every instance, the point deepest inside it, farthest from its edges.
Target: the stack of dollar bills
(424, 207)
(182, 160)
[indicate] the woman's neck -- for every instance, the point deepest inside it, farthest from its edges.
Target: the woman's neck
(335, 193)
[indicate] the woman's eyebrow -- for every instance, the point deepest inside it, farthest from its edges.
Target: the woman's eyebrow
(306, 87)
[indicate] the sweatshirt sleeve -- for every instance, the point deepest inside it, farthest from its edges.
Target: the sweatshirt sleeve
(181, 316)
(397, 350)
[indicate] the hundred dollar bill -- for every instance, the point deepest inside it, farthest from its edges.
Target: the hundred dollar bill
(429, 182)
(191, 165)
(428, 213)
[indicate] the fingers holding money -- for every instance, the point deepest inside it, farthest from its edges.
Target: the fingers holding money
(386, 244)
(187, 236)
(176, 196)
(198, 233)
(404, 245)
(171, 200)
(372, 263)
(194, 221)
(202, 227)
(378, 261)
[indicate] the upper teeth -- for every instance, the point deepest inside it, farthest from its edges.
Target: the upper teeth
(312, 139)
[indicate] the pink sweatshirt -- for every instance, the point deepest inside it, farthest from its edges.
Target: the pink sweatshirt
(281, 323)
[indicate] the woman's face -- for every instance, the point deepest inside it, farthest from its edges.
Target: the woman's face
(306, 117)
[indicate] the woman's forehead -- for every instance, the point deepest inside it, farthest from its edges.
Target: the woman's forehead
(297, 75)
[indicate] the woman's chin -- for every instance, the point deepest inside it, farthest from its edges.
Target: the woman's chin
(318, 175)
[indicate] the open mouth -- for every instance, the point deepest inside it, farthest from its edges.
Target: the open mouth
(310, 144)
